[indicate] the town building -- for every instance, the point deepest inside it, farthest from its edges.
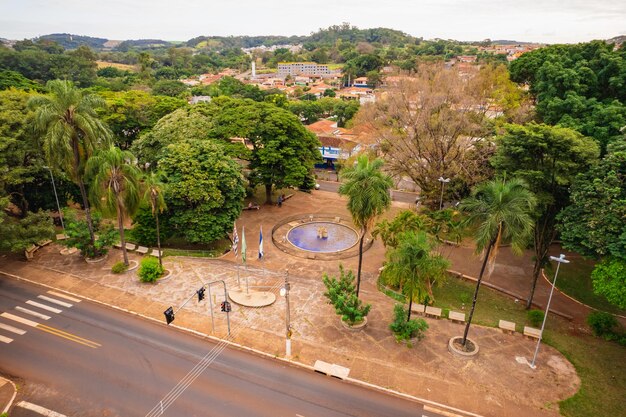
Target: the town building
(302, 68)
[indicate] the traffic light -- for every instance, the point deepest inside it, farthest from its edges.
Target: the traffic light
(200, 294)
(169, 315)
(225, 306)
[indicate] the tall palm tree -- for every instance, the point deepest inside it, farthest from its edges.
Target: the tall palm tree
(153, 187)
(500, 211)
(116, 186)
(367, 189)
(414, 267)
(71, 132)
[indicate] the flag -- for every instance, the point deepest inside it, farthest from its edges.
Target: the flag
(261, 253)
(235, 239)
(243, 244)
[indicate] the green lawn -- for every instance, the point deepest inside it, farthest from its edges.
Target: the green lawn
(601, 365)
(575, 280)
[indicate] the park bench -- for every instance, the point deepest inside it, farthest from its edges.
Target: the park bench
(418, 308)
(130, 246)
(433, 311)
(61, 236)
(506, 326)
(532, 332)
(331, 369)
(287, 197)
(142, 250)
(155, 252)
(456, 316)
(255, 207)
(30, 251)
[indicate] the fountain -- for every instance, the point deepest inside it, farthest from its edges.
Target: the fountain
(322, 237)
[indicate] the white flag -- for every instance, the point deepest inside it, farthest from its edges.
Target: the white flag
(235, 239)
(261, 253)
(243, 244)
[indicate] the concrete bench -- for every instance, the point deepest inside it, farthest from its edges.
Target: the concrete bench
(61, 236)
(142, 250)
(30, 251)
(456, 316)
(155, 253)
(331, 369)
(117, 245)
(44, 242)
(130, 246)
(532, 332)
(506, 326)
(433, 311)
(418, 308)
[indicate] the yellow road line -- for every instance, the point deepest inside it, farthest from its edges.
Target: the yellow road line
(68, 336)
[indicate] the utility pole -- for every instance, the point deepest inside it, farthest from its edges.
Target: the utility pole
(285, 293)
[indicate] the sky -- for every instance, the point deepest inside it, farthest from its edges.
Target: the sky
(547, 21)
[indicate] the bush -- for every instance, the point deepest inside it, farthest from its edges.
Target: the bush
(403, 329)
(149, 269)
(602, 324)
(341, 294)
(119, 267)
(78, 237)
(535, 317)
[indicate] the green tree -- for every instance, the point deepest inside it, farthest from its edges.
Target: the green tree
(172, 88)
(501, 212)
(19, 234)
(341, 294)
(414, 268)
(547, 158)
(115, 186)
(367, 189)
(154, 188)
(71, 131)
(406, 220)
(205, 190)
(609, 280)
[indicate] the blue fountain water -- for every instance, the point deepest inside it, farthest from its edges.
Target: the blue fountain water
(339, 237)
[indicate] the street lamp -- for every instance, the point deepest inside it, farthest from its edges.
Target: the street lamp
(561, 259)
(443, 182)
(284, 292)
(56, 197)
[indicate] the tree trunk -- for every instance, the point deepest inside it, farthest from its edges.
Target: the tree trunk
(408, 318)
(543, 240)
(480, 278)
(120, 225)
(158, 237)
(358, 274)
(83, 193)
(268, 193)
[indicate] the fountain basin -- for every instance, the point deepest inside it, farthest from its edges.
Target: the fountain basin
(322, 237)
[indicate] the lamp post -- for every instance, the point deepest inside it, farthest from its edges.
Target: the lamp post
(443, 182)
(56, 197)
(561, 259)
(284, 292)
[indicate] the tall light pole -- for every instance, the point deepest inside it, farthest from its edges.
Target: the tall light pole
(284, 291)
(443, 182)
(56, 198)
(561, 260)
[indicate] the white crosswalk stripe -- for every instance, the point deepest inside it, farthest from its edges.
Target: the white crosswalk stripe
(12, 329)
(67, 297)
(43, 306)
(5, 339)
(19, 319)
(54, 300)
(32, 313)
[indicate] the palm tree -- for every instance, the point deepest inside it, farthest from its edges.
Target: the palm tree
(72, 131)
(154, 194)
(116, 186)
(414, 267)
(500, 211)
(367, 189)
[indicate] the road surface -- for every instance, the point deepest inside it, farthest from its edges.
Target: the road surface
(82, 359)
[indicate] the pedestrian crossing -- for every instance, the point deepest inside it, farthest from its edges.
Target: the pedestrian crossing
(31, 313)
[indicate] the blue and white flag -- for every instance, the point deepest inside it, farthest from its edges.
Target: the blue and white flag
(243, 244)
(235, 239)
(261, 253)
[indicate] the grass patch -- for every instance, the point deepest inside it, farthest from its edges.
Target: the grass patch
(575, 280)
(599, 363)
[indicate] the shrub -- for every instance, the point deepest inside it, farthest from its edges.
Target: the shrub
(602, 324)
(405, 330)
(535, 317)
(149, 269)
(341, 294)
(119, 267)
(78, 236)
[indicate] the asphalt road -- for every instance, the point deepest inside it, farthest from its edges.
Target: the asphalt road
(88, 360)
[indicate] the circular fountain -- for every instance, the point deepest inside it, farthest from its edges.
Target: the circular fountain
(322, 237)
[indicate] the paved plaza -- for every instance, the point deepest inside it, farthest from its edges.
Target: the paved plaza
(492, 384)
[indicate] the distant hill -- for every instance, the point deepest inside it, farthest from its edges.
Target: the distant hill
(69, 41)
(617, 39)
(143, 44)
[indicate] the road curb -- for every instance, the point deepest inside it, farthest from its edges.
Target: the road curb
(10, 403)
(449, 411)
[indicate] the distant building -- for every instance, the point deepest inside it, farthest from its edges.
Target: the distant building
(302, 68)
(199, 99)
(360, 82)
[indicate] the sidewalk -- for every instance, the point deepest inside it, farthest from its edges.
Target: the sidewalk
(7, 394)
(492, 384)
